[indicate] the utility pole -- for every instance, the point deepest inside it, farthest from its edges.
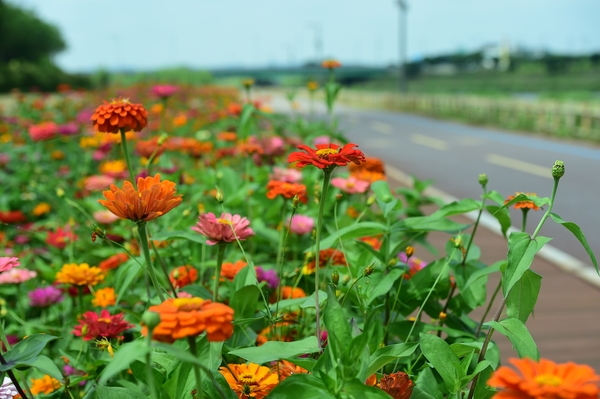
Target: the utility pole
(318, 28)
(402, 80)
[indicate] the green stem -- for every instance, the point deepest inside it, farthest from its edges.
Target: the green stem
(194, 351)
(280, 264)
(487, 310)
(146, 251)
(326, 178)
(539, 226)
(127, 159)
(149, 375)
(524, 224)
(163, 267)
(220, 256)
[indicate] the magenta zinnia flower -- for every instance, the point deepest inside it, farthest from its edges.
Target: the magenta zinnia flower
(45, 296)
(16, 276)
(350, 185)
(164, 91)
(7, 263)
(267, 275)
(224, 229)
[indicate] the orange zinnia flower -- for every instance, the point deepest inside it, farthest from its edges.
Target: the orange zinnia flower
(119, 115)
(288, 368)
(286, 190)
(188, 317)
(326, 156)
(230, 270)
(183, 275)
(397, 385)
(370, 164)
(331, 64)
(545, 379)
(249, 380)
(148, 147)
(523, 204)
(325, 257)
(46, 385)
(288, 292)
(227, 136)
(83, 274)
(104, 297)
(113, 262)
(281, 331)
(152, 199)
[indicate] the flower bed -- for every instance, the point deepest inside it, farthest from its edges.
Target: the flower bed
(182, 243)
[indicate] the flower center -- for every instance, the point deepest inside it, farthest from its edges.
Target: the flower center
(225, 221)
(325, 152)
(247, 379)
(350, 184)
(104, 320)
(548, 379)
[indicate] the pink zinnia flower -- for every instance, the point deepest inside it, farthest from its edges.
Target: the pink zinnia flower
(164, 91)
(43, 131)
(45, 296)
(7, 263)
(98, 182)
(105, 217)
(350, 185)
(302, 224)
(286, 175)
(16, 276)
(322, 140)
(414, 264)
(223, 229)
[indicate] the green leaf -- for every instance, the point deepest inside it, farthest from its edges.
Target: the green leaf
(127, 354)
(383, 286)
(462, 349)
(481, 273)
(576, 230)
(429, 223)
(26, 351)
(338, 328)
(444, 361)
(308, 386)
(390, 353)
(185, 234)
(358, 390)
(523, 296)
(457, 208)
(245, 119)
(138, 369)
(521, 251)
(502, 215)
(357, 230)
(540, 202)
(125, 276)
(275, 350)
(244, 302)
(310, 301)
(384, 195)
(118, 393)
(427, 386)
(419, 393)
(495, 196)
(47, 366)
(483, 390)
(198, 291)
(518, 334)
(245, 277)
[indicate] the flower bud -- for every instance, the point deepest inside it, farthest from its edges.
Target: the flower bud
(483, 180)
(296, 202)
(335, 277)
(558, 169)
(442, 316)
(368, 270)
(339, 197)
(150, 319)
(371, 200)
(162, 138)
(60, 192)
(409, 251)
(219, 197)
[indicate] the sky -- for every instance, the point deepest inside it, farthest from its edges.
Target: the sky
(152, 34)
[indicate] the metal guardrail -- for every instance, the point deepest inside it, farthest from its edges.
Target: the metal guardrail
(564, 119)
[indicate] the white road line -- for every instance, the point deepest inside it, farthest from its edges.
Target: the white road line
(430, 142)
(381, 127)
(553, 255)
(521, 166)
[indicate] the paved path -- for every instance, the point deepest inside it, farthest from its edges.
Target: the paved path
(565, 323)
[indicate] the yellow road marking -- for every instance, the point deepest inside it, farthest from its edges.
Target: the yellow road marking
(381, 127)
(521, 166)
(430, 142)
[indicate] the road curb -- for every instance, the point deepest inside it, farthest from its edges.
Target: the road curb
(553, 255)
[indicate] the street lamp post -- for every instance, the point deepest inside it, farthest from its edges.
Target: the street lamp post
(402, 80)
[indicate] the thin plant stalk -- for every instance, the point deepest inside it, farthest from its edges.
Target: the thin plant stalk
(146, 251)
(197, 375)
(220, 256)
(326, 178)
(127, 159)
(149, 376)
(163, 267)
(280, 262)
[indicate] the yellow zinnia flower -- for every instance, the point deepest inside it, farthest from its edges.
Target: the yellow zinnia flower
(83, 274)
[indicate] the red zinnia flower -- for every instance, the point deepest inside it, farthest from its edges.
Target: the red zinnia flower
(60, 238)
(103, 325)
(327, 156)
(119, 114)
(12, 217)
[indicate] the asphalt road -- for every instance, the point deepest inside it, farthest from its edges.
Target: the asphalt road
(453, 155)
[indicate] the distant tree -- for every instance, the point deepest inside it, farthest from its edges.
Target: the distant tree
(25, 37)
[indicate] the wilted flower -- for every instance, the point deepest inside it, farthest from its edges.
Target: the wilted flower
(119, 115)
(16, 276)
(397, 385)
(226, 228)
(7, 263)
(45, 296)
(301, 224)
(250, 380)
(189, 317)
(103, 325)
